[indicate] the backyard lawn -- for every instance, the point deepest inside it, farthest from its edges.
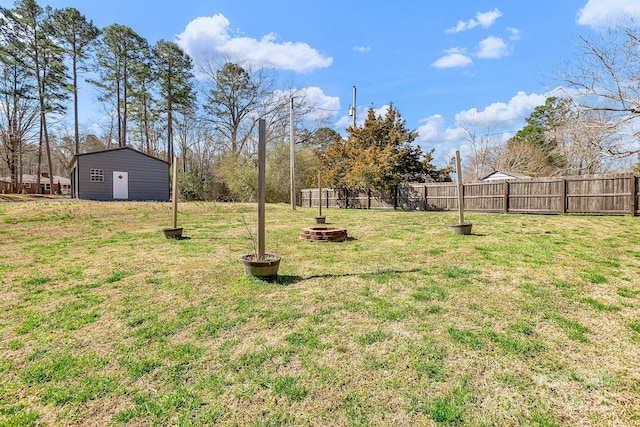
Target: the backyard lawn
(532, 320)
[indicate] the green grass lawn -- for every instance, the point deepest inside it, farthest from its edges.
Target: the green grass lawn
(532, 320)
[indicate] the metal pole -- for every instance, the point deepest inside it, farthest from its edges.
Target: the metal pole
(262, 154)
(174, 192)
(292, 152)
(460, 188)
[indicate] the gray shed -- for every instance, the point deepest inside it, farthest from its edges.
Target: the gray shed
(119, 174)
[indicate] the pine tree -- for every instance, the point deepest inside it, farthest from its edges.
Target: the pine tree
(173, 71)
(76, 35)
(31, 24)
(119, 51)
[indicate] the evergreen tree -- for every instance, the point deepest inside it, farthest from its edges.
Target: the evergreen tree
(379, 155)
(173, 71)
(119, 51)
(32, 26)
(76, 35)
(19, 97)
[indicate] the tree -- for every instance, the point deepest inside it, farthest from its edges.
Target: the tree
(605, 74)
(19, 97)
(143, 104)
(236, 97)
(318, 139)
(119, 51)
(18, 107)
(31, 24)
(537, 148)
(173, 71)
(379, 155)
(481, 141)
(77, 36)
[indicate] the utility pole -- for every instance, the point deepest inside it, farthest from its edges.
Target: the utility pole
(292, 152)
(352, 109)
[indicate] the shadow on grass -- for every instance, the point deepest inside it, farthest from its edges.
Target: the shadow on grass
(287, 280)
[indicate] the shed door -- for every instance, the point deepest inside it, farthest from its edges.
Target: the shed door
(120, 185)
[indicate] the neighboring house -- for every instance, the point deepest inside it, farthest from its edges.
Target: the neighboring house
(119, 174)
(30, 184)
(502, 175)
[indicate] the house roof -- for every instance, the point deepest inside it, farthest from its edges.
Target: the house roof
(504, 175)
(32, 179)
(73, 161)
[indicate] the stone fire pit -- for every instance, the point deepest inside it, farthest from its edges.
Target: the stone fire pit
(323, 234)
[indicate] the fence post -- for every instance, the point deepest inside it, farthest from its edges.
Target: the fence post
(424, 192)
(395, 197)
(346, 198)
(564, 202)
(634, 199)
(368, 198)
(326, 193)
(506, 197)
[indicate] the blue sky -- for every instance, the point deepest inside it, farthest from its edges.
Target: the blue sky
(443, 64)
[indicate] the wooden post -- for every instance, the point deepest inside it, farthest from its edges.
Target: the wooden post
(424, 193)
(174, 192)
(395, 197)
(460, 189)
(563, 202)
(292, 152)
(319, 193)
(506, 197)
(262, 155)
(634, 198)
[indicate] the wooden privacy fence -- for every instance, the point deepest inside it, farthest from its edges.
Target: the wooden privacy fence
(594, 194)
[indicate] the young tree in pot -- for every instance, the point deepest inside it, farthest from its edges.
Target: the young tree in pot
(260, 264)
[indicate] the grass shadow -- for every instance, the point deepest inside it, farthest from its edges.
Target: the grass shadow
(287, 280)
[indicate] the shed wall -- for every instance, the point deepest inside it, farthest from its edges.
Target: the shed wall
(148, 177)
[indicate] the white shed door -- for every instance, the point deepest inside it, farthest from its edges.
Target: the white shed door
(120, 185)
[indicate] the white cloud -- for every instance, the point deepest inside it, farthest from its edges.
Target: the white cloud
(600, 13)
(362, 49)
(504, 118)
(361, 114)
(324, 107)
(484, 19)
(492, 47)
(514, 34)
(500, 114)
(209, 35)
(454, 58)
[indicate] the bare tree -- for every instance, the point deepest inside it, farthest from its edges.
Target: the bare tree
(605, 76)
(584, 141)
(482, 160)
(235, 99)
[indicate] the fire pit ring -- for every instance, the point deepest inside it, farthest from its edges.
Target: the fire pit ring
(323, 234)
